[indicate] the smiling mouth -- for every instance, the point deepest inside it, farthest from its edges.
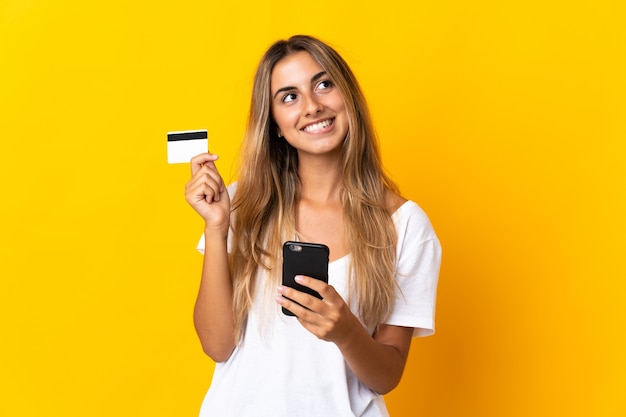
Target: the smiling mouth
(318, 127)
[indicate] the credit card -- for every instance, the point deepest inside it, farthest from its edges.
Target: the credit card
(185, 144)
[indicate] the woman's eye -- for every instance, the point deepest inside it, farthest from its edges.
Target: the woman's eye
(289, 97)
(324, 85)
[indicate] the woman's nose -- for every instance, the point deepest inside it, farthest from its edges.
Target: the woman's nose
(312, 105)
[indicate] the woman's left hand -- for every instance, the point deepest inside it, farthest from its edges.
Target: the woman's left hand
(377, 360)
(329, 319)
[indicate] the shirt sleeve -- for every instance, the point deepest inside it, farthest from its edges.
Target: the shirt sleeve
(417, 273)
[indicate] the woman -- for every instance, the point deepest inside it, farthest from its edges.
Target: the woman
(310, 171)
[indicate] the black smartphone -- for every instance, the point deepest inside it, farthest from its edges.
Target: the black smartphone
(303, 258)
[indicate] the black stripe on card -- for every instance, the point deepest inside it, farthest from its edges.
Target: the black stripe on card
(193, 134)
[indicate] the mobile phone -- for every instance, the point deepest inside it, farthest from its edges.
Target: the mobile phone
(304, 258)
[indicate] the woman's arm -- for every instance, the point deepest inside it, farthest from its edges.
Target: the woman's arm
(377, 361)
(213, 313)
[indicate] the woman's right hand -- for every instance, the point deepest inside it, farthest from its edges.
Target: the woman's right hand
(207, 194)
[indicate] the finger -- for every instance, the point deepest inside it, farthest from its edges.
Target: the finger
(205, 187)
(212, 188)
(198, 161)
(307, 301)
(208, 174)
(318, 285)
(199, 192)
(301, 312)
(206, 177)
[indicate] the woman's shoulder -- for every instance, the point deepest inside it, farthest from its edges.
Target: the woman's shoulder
(393, 201)
(398, 205)
(411, 220)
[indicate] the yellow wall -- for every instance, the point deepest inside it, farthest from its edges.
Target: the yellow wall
(504, 120)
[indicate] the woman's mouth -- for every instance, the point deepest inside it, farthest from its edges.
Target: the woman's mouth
(319, 126)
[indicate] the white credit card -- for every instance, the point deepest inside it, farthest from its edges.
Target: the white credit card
(185, 144)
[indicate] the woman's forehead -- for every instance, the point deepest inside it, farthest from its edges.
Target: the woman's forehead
(294, 68)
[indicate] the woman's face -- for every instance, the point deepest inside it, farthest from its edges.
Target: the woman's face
(307, 107)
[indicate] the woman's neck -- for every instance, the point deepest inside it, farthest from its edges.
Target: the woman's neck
(321, 179)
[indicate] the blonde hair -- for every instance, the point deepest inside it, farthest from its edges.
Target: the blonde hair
(268, 191)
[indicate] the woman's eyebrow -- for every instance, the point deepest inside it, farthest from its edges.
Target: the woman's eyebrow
(318, 76)
(280, 90)
(290, 88)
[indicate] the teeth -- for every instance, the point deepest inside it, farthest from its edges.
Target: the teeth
(318, 126)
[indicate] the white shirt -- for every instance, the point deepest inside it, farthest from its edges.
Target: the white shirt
(282, 370)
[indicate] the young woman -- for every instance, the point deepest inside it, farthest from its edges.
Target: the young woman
(310, 171)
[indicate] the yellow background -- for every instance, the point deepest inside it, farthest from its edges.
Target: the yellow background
(505, 120)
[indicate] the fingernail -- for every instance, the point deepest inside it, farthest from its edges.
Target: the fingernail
(299, 278)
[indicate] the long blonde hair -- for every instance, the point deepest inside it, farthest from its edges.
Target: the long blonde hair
(268, 191)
